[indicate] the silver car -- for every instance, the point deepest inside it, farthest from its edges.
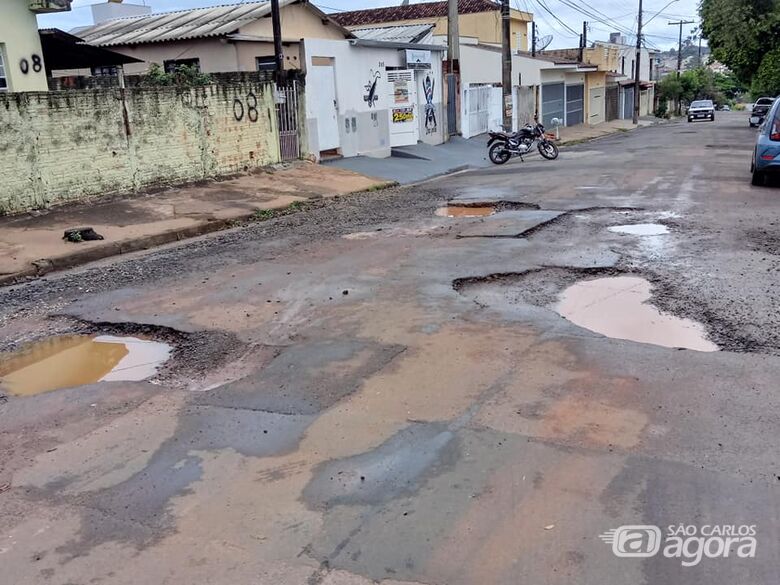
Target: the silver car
(701, 110)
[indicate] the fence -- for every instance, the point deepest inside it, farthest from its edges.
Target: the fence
(71, 145)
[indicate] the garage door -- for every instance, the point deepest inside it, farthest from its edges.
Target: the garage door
(575, 104)
(552, 103)
(596, 106)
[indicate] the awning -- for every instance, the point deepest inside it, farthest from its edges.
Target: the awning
(62, 50)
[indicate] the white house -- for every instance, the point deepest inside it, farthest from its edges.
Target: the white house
(365, 96)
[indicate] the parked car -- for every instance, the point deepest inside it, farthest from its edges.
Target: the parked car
(766, 155)
(760, 109)
(726, 108)
(701, 110)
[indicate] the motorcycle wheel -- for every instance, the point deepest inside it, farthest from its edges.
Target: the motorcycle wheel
(498, 154)
(548, 150)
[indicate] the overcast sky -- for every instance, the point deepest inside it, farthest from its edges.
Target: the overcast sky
(610, 12)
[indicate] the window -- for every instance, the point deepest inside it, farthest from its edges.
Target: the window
(266, 63)
(171, 65)
(3, 78)
(104, 71)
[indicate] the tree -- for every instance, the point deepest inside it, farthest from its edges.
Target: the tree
(767, 78)
(742, 33)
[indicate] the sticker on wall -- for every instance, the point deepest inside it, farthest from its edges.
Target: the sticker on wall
(401, 115)
(430, 110)
(401, 91)
(372, 96)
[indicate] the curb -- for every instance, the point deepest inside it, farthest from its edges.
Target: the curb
(46, 266)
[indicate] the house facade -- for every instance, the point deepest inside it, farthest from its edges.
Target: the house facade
(478, 19)
(22, 67)
(236, 37)
(371, 95)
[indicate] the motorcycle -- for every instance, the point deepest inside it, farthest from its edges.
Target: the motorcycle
(503, 145)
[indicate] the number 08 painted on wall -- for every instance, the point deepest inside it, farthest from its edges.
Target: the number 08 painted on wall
(37, 64)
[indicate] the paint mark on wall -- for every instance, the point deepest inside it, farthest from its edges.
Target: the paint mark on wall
(429, 83)
(372, 96)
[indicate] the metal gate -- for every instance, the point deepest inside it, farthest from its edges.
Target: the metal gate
(287, 115)
(478, 100)
(452, 104)
(628, 103)
(612, 103)
(575, 104)
(553, 104)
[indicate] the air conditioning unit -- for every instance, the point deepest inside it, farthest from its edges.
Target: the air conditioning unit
(46, 6)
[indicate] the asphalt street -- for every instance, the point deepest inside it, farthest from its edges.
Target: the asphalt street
(366, 391)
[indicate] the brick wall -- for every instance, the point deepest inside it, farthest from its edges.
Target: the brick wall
(65, 146)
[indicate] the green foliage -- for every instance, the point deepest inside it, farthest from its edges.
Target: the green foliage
(183, 76)
(698, 84)
(766, 82)
(742, 34)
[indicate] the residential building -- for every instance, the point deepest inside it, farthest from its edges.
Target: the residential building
(478, 19)
(22, 66)
(621, 77)
(374, 94)
(235, 37)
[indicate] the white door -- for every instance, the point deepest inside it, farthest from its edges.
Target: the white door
(404, 126)
(321, 82)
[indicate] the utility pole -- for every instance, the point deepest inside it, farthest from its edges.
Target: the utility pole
(276, 23)
(680, 23)
(453, 68)
(583, 41)
(506, 69)
(533, 38)
(637, 66)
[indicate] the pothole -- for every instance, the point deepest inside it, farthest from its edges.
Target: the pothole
(67, 361)
(604, 300)
(617, 307)
(465, 211)
(640, 229)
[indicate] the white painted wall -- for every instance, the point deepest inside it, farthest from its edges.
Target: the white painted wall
(19, 41)
(364, 128)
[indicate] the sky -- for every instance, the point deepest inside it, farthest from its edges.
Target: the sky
(605, 16)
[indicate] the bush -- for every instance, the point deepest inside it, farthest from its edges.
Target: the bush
(183, 76)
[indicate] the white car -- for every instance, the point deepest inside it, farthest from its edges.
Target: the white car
(701, 110)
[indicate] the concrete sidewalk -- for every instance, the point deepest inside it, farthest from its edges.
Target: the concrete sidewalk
(32, 244)
(411, 164)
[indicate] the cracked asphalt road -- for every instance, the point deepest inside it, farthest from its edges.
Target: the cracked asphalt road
(365, 392)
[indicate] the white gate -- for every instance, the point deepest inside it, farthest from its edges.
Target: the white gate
(478, 104)
(321, 82)
(404, 127)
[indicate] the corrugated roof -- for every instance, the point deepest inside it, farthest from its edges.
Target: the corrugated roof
(411, 12)
(181, 24)
(395, 34)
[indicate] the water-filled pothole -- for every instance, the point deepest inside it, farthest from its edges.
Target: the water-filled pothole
(73, 360)
(617, 307)
(640, 229)
(465, 211)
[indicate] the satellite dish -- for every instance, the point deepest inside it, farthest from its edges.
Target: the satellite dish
(544, 42)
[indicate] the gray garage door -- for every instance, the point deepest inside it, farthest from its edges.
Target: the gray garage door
(628, 103)
(552, 103)
(575, 104)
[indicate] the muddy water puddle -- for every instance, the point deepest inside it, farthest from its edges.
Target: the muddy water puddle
(465, 211)
(640, 229)
(617, 307)
(74, 360)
